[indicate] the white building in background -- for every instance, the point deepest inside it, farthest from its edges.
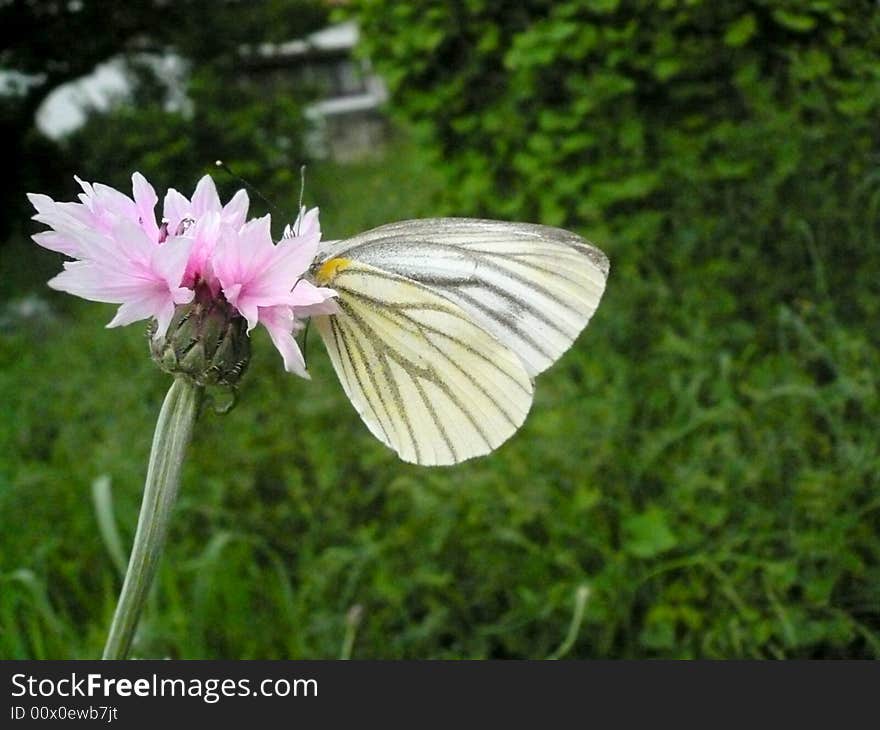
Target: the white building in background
(65, 110)
(346, 119)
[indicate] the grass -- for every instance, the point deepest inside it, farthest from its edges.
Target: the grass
(704, 461)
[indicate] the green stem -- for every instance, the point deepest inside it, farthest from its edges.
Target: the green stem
(580, 601)
(173, 432)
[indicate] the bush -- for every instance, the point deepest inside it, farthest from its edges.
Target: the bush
(630, 114)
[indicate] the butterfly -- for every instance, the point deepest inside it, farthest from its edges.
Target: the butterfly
(442, 325)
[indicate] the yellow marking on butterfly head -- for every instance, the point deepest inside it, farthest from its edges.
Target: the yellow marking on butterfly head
(330, 268)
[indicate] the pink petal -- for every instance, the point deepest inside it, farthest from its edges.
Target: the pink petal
(169, 260)
(328, 306)
(205, 198)
(235, 211)
(231, 293)
(87, 187)
(278, 273)
(110, 201)
(307, 223)
(174, 209)
(59, 242)
(205, 235)
(305, 293)
(145, 200)
(139, 309)
(250, 311)
(97, 283)
(238, 254)
(279, 322)
(157, 305)
(163, 319)
(134, 245)
(128, 269)
(78, 240)
(58, 214)
(235, 295)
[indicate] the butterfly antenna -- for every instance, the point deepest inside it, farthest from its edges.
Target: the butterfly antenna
(253, 188)
(302, 189)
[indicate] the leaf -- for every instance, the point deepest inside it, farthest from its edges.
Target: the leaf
(648, 534)
(604, 6)
(741, 31)
(666, 68)
(812, 64)
(794, 21)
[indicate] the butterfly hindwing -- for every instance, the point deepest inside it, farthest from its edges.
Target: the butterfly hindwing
(426, 379)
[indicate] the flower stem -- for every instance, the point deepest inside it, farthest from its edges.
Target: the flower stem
(172, 435)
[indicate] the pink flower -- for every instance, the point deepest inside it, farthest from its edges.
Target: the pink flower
(202, 218)
(123, 256)
(263, 281)
(116, 243)
(100, 209)
(177, 209)
(144, 281)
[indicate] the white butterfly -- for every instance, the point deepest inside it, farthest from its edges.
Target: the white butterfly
(443, 323)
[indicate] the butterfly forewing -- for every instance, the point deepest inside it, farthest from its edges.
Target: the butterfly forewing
(533, 288)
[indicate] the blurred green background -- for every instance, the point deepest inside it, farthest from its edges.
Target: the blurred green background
(705, 459)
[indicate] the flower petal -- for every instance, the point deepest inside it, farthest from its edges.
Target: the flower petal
(59, 242)
(235, 211)
(145, 200)
(328, 306)
(277, 274)
(307, 224)
(163, 319)
(134, 245)
(305, 293)
(249, 311)
(97, 283)
(111, 204)
(205, 198)
(58, 215)
(205, 236)
(174, 209)
(238, 254)
(86, 187)
(139, 309)
(279, 322)
(169, 260)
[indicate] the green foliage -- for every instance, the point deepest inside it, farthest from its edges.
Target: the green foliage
(614, 115)
(711, 476)
(726, 157)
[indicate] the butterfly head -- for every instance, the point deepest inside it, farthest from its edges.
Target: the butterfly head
(328, 270)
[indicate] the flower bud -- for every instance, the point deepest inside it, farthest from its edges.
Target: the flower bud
(206, 341)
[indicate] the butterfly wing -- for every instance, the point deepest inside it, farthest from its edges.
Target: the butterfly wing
(533, 288)
(425, 378)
